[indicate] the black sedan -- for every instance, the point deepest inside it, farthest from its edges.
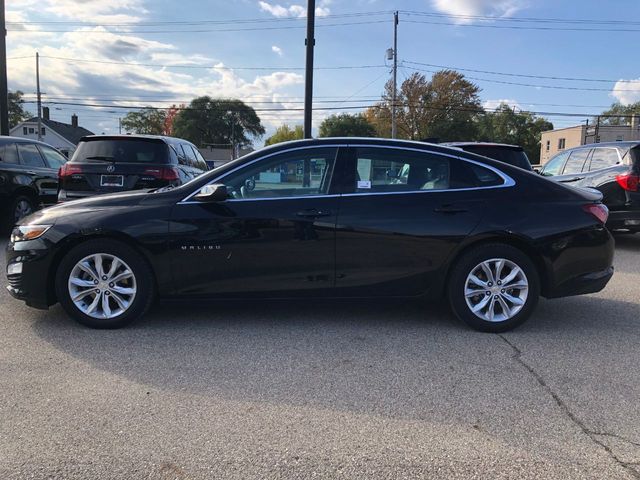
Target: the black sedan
(332, 218)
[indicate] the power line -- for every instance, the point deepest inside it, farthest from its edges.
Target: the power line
(577, 79)
(557, 87)
(521, 27)
(207, 67)
(191, 31)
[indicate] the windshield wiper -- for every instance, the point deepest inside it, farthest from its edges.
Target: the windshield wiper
(164, 189)
(101, 157)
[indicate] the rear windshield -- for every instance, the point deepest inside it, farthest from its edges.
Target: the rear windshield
(124, 150)
(506, 155)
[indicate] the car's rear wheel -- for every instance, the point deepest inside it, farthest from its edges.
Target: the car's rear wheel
(104, 284)
(494, 287)
(22, 206)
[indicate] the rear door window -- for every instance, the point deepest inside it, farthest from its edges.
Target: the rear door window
(576, 161)
(603, 158)
(30, 155)
(122, 151)
(189, 154)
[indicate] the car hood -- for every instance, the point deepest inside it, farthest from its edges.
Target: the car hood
(50, 215)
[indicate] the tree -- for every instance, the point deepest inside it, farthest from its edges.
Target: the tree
(347, 125)
(170, 117)
(444, 107)
(285, 133)
(17, 113)
(148, 121)
(516, 128)
(619, 109)
(218, 121)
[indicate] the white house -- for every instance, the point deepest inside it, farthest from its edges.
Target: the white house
(63, 136)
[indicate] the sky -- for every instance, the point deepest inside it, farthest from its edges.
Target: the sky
(549, 56)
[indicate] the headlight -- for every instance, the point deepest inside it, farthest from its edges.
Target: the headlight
(28, 232)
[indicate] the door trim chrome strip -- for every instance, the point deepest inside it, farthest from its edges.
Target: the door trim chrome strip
(508, 181)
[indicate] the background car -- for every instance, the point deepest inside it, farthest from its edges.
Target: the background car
(613, 169)
(509, 154)
(105, 164)
(322, 218)
(28, 176)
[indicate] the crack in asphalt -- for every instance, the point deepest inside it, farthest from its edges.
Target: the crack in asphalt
(629, 466)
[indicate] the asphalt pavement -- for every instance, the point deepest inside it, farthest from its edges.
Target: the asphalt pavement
(324, 389)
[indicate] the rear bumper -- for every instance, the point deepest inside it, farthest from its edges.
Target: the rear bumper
(587, 283)
(624, 220)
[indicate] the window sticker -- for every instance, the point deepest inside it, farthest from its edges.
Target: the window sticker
(364, 184)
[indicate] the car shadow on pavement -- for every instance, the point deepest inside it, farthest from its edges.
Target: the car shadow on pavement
(397, 359)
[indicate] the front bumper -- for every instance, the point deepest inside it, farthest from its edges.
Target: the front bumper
(32, 284)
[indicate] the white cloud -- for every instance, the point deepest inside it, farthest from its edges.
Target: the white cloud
(294, 10)
(493, 104)
(276, 49)
(500, 8)
(626, 91)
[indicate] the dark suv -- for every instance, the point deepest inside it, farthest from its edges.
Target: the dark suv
(28, 176)
(511, 154)
(103, 164)
(613, 168)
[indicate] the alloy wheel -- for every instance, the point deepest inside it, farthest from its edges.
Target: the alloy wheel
(102, 286)
(23, 208)
(496, 290)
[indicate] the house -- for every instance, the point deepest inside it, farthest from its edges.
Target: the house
(63, 136)
(554, 141)
(220, 156)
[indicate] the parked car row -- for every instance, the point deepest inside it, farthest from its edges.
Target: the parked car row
(330, 217)
(35, 175)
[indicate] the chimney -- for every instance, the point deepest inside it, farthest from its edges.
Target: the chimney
(74, 120)
(45, 113)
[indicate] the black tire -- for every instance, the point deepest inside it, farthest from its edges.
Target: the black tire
(466, 264)
(144, 280)
(18, 205)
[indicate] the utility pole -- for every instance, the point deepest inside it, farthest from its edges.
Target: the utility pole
(4, 91)
(310, 42)
(39, 97)
(394, 127)
(120, 125)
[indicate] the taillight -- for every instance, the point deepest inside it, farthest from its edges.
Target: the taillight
(628, 181)
(164, 173)
(69, 169)
(598, 210)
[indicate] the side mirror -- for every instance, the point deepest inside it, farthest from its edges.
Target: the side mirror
(212, 193)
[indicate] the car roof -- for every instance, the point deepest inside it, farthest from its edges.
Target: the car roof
(163, 138)
(621, 144)
(482, 144)
(7, 139)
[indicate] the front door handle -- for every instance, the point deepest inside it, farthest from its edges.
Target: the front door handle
(574, 179)
(313, 213)
(450, 209)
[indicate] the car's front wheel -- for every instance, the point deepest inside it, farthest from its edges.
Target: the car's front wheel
(494, 287)
(104, 284)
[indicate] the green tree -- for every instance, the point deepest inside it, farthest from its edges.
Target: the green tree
(444, 107)
(285, 133)
(17, 113)
(347, 125)
(148, 121)
(619, 109)
(218, 121)
(516, 128)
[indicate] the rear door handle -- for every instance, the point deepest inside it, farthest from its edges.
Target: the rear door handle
(450, 209)
(574, 179)
(313, 213)
(30, 172)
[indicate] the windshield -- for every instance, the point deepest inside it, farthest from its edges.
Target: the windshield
(512, 156)
(125, 150)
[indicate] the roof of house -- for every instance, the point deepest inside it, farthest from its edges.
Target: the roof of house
(66, 130)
